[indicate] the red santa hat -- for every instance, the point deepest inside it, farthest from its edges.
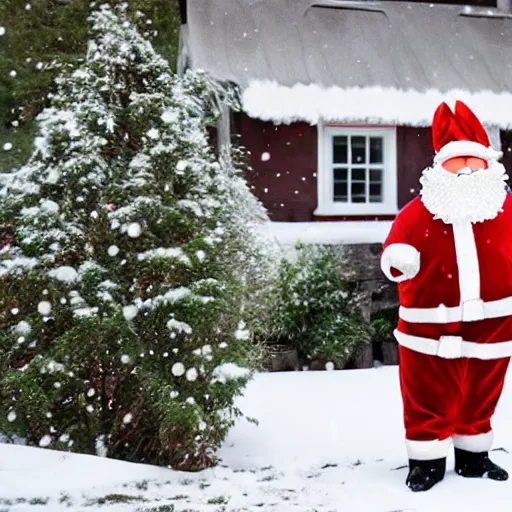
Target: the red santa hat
(460, 134)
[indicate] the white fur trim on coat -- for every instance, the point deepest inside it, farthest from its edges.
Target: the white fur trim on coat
(404, 257)
(475, 444)
(427, 450)
(466, 148)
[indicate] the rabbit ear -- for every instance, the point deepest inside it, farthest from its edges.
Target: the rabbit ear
(469, 125)
(443, 127)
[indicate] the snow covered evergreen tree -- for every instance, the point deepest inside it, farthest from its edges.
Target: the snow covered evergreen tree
(122, 323)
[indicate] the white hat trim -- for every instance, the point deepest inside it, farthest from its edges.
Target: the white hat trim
(466, 148)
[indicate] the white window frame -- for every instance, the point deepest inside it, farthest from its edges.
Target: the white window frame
(326, 204)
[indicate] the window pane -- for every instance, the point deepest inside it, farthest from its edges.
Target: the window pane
(340, 192)
(340, 174)
(375, 175)
(358, 174)
(358, 145)
(375, 192)
(339, 150)
(376, 151)
(358, 192)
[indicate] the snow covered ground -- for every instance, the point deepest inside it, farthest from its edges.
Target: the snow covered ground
(327, 442)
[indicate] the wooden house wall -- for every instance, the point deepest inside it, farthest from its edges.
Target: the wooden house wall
(286, 182)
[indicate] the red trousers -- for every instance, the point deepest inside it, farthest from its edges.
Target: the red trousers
(448, 400)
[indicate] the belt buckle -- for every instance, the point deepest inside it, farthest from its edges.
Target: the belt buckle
(450, 347)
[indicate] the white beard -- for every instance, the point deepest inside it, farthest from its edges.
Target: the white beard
(473, 197)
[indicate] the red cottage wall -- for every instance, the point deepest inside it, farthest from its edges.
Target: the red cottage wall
(286, 182)
(506, 147)
(414, 153)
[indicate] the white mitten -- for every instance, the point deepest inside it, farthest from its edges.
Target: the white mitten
(404, 258)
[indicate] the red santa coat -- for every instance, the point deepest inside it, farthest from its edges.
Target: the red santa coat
(459, 304)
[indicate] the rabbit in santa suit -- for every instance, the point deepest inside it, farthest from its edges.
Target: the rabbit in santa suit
(450, 251)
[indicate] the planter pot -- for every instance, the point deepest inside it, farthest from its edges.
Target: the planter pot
(282, 358)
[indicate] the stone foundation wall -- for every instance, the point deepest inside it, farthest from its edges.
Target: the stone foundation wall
(361, 265)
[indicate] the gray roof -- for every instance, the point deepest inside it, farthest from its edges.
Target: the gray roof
(403, 45)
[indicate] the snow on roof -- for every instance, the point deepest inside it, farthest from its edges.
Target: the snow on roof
(328, 233)
(368, 61)
(373, 105)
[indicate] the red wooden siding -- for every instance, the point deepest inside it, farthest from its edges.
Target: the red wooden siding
(414, 153)
(286, 182)
(506, 147)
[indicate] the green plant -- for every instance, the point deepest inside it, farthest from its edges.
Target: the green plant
(383, 324)
(314, 309)
(40, 41)
(122, 288)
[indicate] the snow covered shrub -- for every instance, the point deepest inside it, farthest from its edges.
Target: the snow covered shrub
(122, 290)
(261, 261)
(314, 308)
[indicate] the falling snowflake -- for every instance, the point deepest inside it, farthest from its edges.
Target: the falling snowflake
(23, 327)
(265, 157)
(7, 146)
(113, 250)
(13, 73)
(125, 359)
(11, 416)
(44, 308)
(191, 374)
(128, 418)
(329, 366)
(178, 369)
(2, 30)
(134, 230)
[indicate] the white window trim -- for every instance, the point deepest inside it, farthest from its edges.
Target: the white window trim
(325, 184)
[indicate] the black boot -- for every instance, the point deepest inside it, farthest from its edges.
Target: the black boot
(477, 465)
(424, 474)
